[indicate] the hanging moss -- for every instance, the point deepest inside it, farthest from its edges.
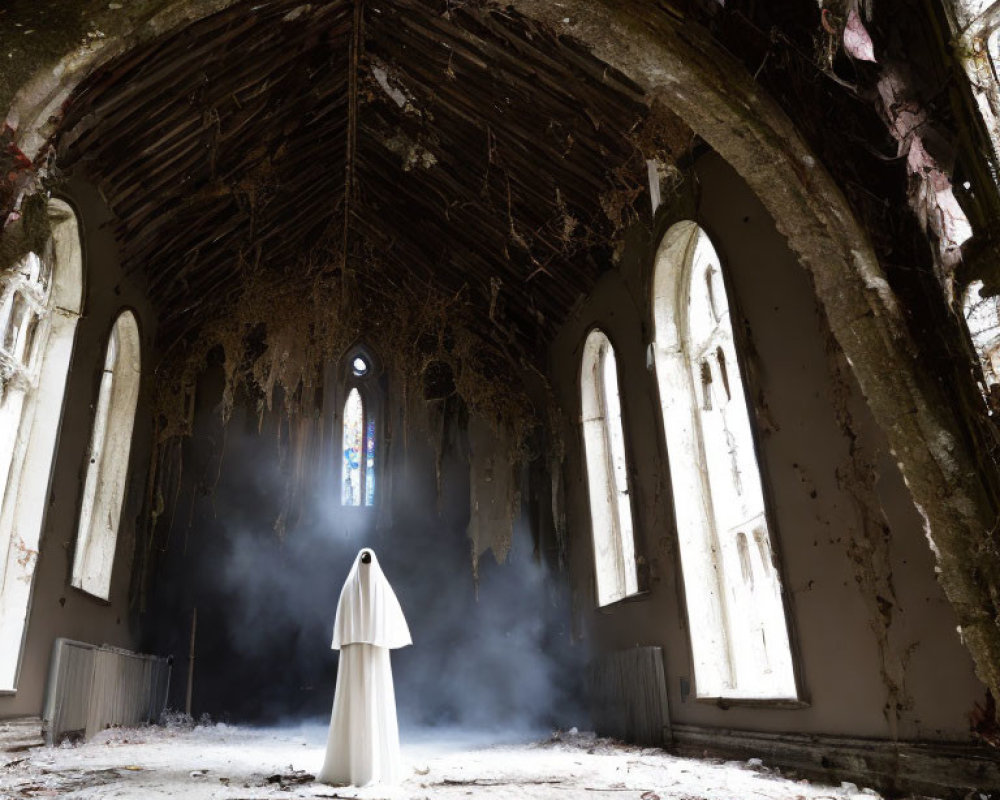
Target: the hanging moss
(276, 337)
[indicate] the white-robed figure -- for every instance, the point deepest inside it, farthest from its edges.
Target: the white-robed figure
(363, 745)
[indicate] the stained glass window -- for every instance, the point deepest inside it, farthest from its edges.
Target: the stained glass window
(359, 453)
(354, 414)
(370, 463)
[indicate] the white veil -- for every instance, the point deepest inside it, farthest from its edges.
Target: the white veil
(368, 611)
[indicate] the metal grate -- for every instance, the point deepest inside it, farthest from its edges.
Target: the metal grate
(628, 696)
(92, 688)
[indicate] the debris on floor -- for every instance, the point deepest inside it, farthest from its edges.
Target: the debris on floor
(225, 762)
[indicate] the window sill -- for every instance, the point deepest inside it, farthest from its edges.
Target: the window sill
(783, 703)
(635, 597)
(96, 598)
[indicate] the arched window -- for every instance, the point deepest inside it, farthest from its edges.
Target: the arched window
(40, 301)
(107, 466)
(359, 430)
(982, 315)
(978, 43)
(739, 634)
(607, 472)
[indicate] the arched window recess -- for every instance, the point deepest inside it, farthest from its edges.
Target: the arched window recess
(982, 316)
(40, 303)
(360, 400)
(739, 632)
(108, 459)
(607, 472)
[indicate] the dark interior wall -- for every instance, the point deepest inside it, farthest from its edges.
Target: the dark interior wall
(57, 609)
(490, 651)
(874, 639)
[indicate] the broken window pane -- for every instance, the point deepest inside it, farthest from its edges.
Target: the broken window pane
(710, 286)
(15, 325)
(720, 357)
(744, 552)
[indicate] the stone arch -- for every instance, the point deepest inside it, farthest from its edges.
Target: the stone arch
(35, 108)
(681, 69)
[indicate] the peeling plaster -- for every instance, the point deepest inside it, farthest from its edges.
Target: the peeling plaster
(761, 143)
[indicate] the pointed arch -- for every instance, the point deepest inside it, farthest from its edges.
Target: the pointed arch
(607, 472)
(360, 414)
(108, 459)
(739, 634)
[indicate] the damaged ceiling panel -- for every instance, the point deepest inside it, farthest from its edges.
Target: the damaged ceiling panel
(478, 153)
(219, 147)
(514, 137)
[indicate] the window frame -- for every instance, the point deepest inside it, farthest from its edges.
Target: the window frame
(372, 391)
(25, 504)
(118, 404)
(975, 35)
(599, 387)
(668, 248)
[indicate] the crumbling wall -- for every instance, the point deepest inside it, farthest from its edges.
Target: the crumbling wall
(888, 312)
(265, 600)
(873, 635)
(275, 341)
(57, 609)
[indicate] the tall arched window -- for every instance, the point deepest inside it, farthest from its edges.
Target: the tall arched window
(607, 472)
(982, 315)
(40, 301)
(739, 634)
(358, 431)
(107, 466)
(978, 43)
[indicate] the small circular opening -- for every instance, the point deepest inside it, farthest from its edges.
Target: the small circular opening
(360, 366)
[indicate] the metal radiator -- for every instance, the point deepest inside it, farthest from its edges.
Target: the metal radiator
(91, 688)
(628, 696)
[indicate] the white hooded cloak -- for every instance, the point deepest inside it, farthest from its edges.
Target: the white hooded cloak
(363, 744)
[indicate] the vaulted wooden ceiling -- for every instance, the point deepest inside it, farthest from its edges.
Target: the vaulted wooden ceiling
(454, 144)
